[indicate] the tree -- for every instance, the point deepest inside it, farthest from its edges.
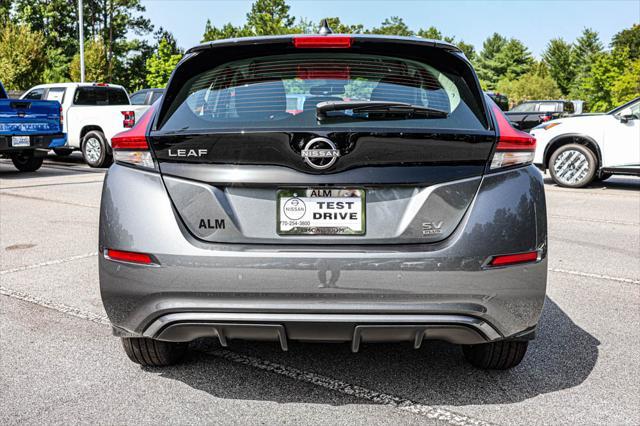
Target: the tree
(558, 56)
(227, 31)
(338, 27)
(488, 68)
(5, 9)
(57, 21)
(628, 38)
(584, 48)
(434, 34)
(22, 56)
(161, 64)
(392, 26)
(270, 17)
(515, 59)
(468, 50)
(502, 59)
(627, 86)
(605, 71)
(528, 87)
(95, 63)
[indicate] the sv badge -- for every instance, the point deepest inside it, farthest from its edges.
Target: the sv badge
(431, 228)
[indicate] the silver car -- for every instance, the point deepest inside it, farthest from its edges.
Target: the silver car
(398, 206)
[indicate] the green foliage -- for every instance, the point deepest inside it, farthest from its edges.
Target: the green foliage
(528, 87)
(584, 49)
(627, 86)
(227, 31)
(392, 26)
(269, 17)
(161, 64)
(5, 8)
(22, 56)
(558, 56)
(630, 39)
(502, 59)
(339, 28)
(607, 69)
(95, 63)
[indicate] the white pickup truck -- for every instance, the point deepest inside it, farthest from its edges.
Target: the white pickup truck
(92, 114)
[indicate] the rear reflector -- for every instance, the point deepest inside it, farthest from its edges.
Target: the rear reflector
(322, 42)
(512, 259)
(128, 256)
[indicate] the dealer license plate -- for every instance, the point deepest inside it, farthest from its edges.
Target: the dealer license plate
(17, 141)
(321, 211)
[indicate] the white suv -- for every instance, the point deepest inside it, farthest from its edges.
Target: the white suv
(579, 149)
(92, 114)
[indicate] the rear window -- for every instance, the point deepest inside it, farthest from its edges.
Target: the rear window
(98, 95)
(282, 92)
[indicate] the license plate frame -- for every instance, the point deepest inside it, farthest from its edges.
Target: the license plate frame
(20, 141)
(296, 223)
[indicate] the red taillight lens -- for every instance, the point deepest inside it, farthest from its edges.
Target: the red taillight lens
(61, 118)
(514, 146)
(129, 119)
(128, 256)
(131, 146)
(322, 42)
(512, 259)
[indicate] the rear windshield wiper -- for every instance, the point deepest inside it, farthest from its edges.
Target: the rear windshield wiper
(379, 107)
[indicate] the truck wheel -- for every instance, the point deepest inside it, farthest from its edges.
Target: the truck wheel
(27, 162)
(153, 353)
(496, 355)
(572, 166)
(95, 149)
(62, 152)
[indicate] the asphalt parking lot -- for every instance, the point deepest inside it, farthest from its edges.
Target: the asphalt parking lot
(59, 363)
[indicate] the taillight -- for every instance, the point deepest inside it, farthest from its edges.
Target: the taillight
(129, 119)
(132, 147)
(322, 42)
(128, 256)
(514, 146)
(61, 118)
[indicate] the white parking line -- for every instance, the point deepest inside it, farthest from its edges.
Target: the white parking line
(439, 414)
(599, 276)
(65, 309)
(50, 262)
(580, 219)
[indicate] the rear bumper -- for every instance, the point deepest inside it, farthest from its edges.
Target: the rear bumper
(330, 293)
(41, 144)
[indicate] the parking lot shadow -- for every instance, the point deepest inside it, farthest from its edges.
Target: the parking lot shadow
(562, 356)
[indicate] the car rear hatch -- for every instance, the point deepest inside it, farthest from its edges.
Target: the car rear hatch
(389, 146)
(29, 117)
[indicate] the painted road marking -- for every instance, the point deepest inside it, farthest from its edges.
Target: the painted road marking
(403, 404)
(48, 263)
(599, 276)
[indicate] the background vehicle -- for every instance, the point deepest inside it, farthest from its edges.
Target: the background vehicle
(529, 114)
(146, 96)
(28, 129)
(578, 149)
(92, 113)
(399, 205)
(501, 100)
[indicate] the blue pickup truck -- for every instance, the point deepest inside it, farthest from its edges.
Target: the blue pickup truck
(28, 129)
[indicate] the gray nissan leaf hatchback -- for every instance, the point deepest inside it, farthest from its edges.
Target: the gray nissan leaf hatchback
(324, 188)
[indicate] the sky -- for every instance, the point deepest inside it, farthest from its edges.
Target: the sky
(534, 22)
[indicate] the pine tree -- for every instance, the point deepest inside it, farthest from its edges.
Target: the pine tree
(488, 67)
(392, 26)
(629, 38)
(270, 17)
(558, 56)
(584, 48)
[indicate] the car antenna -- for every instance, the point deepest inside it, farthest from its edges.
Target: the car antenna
(324, 28)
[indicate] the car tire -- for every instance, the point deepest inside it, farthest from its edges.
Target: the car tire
(27, 162)
(573, 166)
(153, 353)
(63, 152)
(496, 355)
(95, 149)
